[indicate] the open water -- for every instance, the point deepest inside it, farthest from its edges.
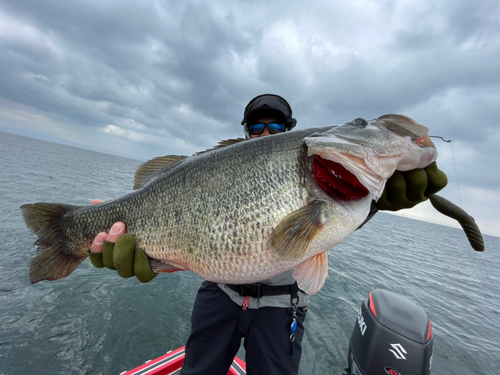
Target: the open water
(94, 322)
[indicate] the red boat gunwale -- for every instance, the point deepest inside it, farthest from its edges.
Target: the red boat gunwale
(171, 363)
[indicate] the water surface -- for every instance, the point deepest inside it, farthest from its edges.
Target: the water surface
(94, 322)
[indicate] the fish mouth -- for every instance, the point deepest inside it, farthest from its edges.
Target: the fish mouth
(336, 181)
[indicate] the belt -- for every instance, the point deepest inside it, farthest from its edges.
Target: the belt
(261, 290)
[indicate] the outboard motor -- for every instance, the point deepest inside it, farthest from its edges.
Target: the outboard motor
(391, 336)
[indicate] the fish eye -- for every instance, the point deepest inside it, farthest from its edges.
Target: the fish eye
(360, 122)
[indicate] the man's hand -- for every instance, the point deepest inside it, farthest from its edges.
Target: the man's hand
(117, 251)
(407, 189)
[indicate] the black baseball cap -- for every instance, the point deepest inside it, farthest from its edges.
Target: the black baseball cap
(269, 104)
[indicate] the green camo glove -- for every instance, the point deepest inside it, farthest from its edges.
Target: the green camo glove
(407, 189)
(125, 258)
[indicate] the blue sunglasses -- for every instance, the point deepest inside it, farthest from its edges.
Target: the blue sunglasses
(273, 127)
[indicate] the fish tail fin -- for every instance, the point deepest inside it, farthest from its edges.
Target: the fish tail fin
(53, 259)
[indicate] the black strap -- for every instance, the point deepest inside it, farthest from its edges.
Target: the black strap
(261, 290)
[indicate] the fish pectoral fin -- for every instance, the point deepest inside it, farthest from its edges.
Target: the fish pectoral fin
(311, 273)
(151, 168)
(293, 236)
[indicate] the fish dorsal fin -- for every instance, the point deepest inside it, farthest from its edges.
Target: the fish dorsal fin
(293, 236)
(151, 168)
(222, 144)
(311, 273)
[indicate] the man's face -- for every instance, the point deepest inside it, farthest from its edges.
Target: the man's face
(266, 130)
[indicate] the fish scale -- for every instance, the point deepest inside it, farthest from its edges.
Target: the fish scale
(219, 239)
(244, 211)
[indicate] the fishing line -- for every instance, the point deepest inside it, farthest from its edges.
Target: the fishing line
(460, 204)
(454, 165)
(456, 174)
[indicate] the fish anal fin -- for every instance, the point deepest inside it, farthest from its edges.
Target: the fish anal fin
(150, 169)
(293, 236)
(159, 266)
(311, 273)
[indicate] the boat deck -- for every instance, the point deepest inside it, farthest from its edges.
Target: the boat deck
(171, 363)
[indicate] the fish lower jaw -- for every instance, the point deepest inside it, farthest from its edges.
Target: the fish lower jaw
(370, 177)
(373, 183)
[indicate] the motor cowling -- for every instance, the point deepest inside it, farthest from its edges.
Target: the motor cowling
(392, 335)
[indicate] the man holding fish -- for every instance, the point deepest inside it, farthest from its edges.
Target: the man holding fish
(268, 314)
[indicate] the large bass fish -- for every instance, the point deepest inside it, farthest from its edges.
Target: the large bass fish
(244, 211)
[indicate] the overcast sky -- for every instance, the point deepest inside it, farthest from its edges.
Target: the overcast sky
(147, 78)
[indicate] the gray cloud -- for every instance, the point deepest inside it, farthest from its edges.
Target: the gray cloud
(142, 79)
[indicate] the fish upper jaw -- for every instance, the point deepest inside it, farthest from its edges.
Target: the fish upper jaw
(369, 152)
(422, 158)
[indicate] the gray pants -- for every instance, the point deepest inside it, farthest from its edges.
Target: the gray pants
(218, 324)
